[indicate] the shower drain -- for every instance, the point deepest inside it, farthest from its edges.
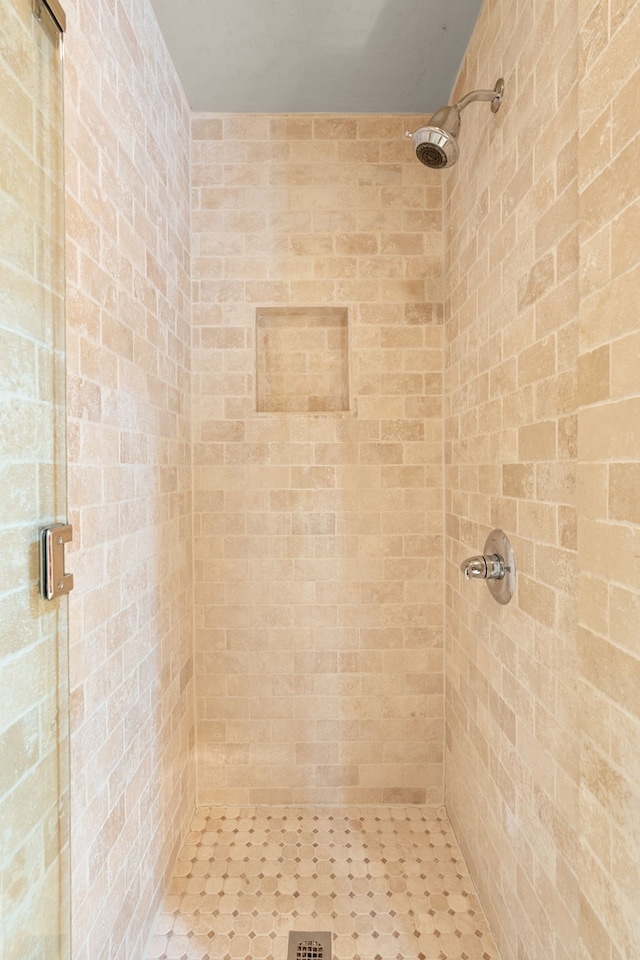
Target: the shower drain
(309, 945)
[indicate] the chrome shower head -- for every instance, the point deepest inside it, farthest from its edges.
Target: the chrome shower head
(436, 145)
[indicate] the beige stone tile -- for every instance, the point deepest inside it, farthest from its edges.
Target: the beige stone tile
(594, 375)
(598, 441)
(624, 354)
(538, 441)
(360, 873)
(623, 492)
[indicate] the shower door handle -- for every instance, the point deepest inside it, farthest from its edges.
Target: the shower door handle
(54, 582)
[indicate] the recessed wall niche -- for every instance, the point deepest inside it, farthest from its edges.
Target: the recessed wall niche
(302, 359)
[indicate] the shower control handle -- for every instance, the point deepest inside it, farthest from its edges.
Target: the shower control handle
(490, 567)
(496, 566)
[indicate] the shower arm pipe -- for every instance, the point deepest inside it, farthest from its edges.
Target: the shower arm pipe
(473, 96)
(495, 96)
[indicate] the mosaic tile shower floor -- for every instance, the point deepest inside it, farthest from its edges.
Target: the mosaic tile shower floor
(389, 882)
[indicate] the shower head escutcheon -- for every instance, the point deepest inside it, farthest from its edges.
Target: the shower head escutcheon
(436, 145)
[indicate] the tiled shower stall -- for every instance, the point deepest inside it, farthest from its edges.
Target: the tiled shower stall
(306, 377)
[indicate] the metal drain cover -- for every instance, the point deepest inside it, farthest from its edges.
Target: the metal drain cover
(309, 945)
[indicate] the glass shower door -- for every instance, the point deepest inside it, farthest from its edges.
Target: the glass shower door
(34, 873)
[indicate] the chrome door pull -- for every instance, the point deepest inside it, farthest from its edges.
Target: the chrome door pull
(54, 582)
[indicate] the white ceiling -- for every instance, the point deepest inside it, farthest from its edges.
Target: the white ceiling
(317, 56)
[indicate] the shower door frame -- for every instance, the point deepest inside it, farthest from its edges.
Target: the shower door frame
(34, 686)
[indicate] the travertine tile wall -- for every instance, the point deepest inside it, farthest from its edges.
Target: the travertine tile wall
(609, 480)
(511, 273)
(318, 538)
(128, 307)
